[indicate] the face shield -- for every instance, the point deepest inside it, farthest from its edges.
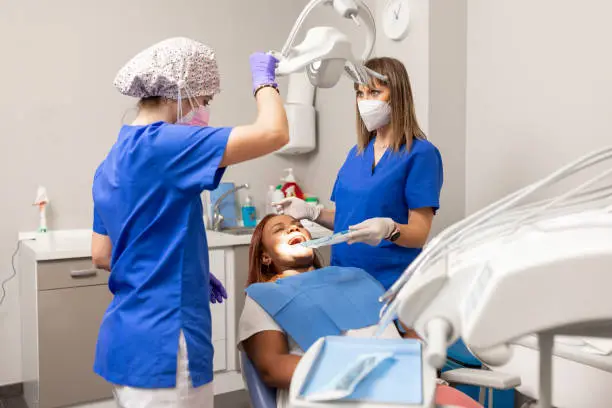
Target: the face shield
(362, 75)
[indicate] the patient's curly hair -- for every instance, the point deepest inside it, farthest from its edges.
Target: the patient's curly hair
(259, 272)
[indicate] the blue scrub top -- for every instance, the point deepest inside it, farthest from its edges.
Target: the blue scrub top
(401, 181)
(147, 200)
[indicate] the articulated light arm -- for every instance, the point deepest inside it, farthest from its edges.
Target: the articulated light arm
(326, 53)
(356, 10)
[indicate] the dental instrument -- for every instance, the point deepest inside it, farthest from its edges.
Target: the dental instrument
(337, 238)
(458, 232)
(464, 287)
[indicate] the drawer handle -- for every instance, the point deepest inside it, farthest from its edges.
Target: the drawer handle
(84, 273)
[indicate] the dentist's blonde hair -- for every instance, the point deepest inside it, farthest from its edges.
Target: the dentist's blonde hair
(403, 116)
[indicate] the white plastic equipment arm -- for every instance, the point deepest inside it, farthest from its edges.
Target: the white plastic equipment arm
(481, 378)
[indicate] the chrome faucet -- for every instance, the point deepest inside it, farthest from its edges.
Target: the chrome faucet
(217, 217)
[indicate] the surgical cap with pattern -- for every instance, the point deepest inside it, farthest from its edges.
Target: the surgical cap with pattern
(163, 68)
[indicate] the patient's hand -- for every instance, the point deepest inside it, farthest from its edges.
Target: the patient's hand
(408, 333)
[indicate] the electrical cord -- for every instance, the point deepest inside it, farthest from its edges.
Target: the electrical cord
(13, 274)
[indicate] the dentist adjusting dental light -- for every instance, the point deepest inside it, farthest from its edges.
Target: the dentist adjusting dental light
(496, 279)
(320, 60)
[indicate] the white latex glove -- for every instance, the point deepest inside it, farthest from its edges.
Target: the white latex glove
(298, 209)
(371, 231)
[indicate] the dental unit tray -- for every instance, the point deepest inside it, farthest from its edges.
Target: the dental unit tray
(482, 278)
(333, 239)
(404, 380)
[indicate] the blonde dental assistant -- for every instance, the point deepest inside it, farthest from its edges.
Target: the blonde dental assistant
(154, 343)
(388, 189)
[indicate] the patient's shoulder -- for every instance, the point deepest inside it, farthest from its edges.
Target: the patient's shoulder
(253, 312)
(254, 319)
(252, 309)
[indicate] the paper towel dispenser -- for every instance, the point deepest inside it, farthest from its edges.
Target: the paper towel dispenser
(301, 115)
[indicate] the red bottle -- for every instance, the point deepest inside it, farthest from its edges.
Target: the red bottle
(291, 188)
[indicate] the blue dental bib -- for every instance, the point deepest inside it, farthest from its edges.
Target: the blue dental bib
(323, 302)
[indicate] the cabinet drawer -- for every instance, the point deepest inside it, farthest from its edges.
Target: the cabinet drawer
(69, 321)
(69, 274)
(220, 357)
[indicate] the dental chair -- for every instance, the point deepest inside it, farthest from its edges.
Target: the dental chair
(466, 373)
(260, 394)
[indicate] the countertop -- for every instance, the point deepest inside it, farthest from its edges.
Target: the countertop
(67, 244)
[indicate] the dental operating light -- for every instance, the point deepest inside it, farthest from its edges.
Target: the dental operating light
(326, 53)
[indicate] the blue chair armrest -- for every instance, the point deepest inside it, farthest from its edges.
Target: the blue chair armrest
(261, 395)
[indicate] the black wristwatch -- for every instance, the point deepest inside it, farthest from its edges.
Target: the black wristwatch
(395, 234)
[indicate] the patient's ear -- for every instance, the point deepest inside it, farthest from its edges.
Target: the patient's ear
(265, 259)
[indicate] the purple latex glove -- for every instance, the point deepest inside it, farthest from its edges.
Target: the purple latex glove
(217, 291)
(263, 69)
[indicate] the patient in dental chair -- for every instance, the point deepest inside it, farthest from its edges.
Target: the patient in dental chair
(343, 299)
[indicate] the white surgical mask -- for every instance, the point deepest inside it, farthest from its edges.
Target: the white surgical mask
(375, 114)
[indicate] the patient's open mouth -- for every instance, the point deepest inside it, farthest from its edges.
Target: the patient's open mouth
(297, 239)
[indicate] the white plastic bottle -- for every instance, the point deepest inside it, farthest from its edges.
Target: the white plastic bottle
(277, 196)
(269, 200)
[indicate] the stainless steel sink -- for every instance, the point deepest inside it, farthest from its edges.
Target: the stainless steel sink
(238, 231)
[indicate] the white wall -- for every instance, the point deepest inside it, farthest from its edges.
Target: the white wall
(447, 102)
(60, 113)
(539, 90)
(413, 51)
(434, 55)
